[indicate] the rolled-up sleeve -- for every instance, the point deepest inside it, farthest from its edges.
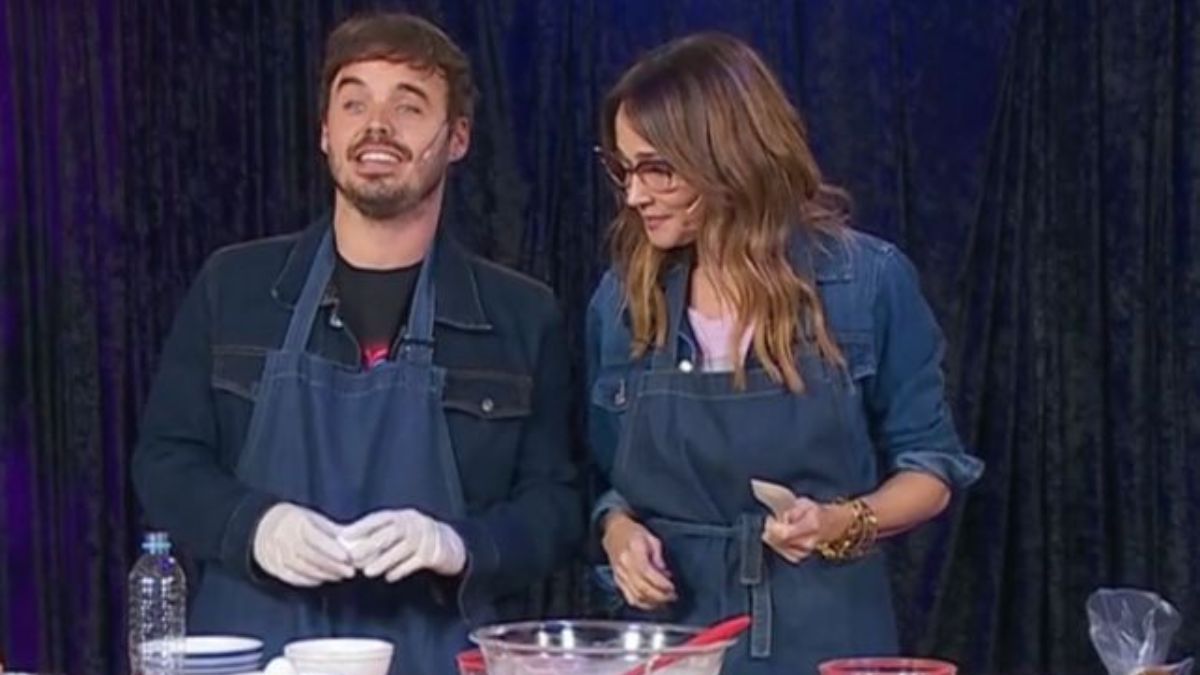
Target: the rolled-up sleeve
(910, 419)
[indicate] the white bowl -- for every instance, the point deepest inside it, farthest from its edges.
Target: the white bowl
(345, 656)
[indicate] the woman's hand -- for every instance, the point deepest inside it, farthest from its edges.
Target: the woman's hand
(795, 534)
(636, 558)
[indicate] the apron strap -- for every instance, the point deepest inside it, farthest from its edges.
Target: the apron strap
(416, 343)
(305, 310)
(752, 569)
(753, 574)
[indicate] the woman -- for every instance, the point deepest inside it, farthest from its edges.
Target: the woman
(745, 332)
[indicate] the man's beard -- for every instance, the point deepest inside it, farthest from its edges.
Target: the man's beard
(379, 200)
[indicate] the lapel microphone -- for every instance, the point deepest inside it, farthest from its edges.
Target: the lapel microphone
(429, 146)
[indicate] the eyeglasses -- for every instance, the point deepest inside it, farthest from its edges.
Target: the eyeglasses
(657, 175)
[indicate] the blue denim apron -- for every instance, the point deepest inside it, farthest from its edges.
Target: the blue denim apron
(347, 443)
(691, 442)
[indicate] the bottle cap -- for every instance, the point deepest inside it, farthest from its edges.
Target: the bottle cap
(157, 543)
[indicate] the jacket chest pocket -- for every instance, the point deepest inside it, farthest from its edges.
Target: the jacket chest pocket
(234, 383)
(858, 348)
(236, 370)
(488, 395)
(486, 412)
(610, 398)
(611, 391)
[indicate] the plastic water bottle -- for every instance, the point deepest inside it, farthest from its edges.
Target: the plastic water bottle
(157, 610)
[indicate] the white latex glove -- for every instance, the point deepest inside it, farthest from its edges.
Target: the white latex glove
(300, 547)
(396, 544)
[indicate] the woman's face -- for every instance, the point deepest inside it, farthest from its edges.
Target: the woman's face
(666, 203)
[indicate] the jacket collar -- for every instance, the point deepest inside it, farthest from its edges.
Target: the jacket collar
(819, 256)
(458, 301)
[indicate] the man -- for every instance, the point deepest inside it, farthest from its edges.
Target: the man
(361, 429)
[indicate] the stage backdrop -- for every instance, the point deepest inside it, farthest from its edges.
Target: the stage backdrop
(1038, 160)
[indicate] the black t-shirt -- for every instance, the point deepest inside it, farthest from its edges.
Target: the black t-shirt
(374, 305)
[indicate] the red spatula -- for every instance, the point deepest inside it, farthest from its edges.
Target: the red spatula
(726, 630)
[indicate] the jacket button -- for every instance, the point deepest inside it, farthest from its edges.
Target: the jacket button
(487, 405)
(685, 366)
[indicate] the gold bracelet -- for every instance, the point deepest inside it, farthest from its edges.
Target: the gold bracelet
(859, 537)
(840, 548)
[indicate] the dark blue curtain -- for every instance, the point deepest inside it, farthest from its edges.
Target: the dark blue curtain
(1039, 161)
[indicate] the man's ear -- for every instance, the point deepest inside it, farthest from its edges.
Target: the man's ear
(460, 138)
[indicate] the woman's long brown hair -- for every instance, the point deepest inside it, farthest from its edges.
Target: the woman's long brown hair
(712, 108)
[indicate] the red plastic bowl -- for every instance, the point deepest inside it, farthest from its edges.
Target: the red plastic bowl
(471, 663)
(887, 666)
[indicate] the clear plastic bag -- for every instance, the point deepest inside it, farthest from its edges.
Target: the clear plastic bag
(1132, 631)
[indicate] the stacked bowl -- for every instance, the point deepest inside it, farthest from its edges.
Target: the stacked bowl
(221, 655)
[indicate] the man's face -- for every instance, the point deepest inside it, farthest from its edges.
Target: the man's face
(387, 136)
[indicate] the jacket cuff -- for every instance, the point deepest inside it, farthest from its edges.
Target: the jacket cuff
(956, 469)
(237, 544)
(606, 503)
(475, 598)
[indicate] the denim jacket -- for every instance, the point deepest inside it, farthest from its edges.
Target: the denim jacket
(498, 334)
(884, 327)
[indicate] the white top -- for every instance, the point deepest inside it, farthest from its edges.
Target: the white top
(715, 337)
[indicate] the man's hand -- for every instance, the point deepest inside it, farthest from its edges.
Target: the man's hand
(300, 547)
(396, 544)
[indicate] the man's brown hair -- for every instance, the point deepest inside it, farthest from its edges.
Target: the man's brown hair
(400, 37)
